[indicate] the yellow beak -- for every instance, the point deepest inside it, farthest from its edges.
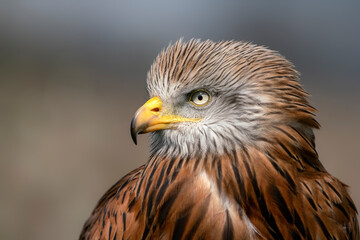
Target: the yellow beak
(150, 117)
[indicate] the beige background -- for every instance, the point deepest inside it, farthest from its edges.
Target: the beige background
(72, 75)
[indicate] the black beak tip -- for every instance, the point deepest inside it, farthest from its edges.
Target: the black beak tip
(133, 132)
(133, 136)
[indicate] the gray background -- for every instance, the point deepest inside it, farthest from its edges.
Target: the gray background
(72, 73)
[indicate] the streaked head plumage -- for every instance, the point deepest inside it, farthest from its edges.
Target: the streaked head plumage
(251, 89)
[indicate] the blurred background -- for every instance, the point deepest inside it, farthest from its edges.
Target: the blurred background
(72, 73)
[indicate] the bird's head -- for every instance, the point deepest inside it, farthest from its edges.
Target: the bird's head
(217, 96)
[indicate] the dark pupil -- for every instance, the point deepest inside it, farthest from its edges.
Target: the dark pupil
(200, 97)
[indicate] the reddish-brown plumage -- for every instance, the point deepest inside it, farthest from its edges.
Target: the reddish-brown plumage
(272, 188)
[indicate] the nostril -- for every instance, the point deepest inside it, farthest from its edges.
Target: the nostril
(155, 109)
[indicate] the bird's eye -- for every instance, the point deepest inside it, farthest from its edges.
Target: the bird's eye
(200, 97)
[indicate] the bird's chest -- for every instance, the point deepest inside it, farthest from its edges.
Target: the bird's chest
(195, 209)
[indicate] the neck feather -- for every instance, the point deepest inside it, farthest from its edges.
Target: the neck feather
(240, 171)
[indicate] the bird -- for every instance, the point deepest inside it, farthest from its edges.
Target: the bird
(232, 154)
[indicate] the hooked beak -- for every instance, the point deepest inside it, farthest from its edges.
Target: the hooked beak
(150, 117)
